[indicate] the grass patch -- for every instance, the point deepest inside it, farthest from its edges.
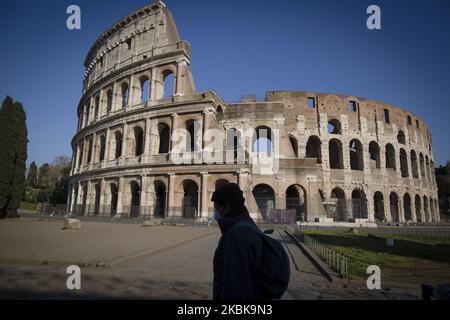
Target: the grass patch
(410, 254)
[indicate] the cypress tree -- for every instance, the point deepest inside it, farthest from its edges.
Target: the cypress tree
(32, 175)
(13, 156)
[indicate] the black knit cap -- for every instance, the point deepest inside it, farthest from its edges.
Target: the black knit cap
(229, 193)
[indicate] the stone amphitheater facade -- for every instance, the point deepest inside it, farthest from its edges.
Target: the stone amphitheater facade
(331, 157)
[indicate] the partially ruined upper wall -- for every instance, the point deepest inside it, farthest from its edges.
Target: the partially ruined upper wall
(145, 33)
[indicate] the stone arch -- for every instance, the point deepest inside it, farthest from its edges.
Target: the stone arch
(296, 200)
(96, 199)
(294, 145)
(168, 77)
(427, 169)
(378, 202)
(401, 137)
(335, 154)
(138, 141)
(193, 134)
(356, 155)
(109, 100)
(314, 148)
(219, 110)
(374, 155)
(102, 149)
(144, 89)
(390, 157)
(160, 199)
(234, 141)
(189, 202)
(403, 163)
(265, 200)
(334, 127)
(359, 204)
(135, 193)
(338, 211)
(262, 140)
(393, 201)
(414, 166)
(113, 197)
(422, 166)
(418, 205)
(164, 138)
(125, 94)
(407, 207)
(432, 213)
(117, 145)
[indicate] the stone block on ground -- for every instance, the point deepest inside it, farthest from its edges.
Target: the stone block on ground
(72, 224)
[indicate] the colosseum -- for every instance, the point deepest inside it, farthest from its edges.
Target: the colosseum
(148, 145)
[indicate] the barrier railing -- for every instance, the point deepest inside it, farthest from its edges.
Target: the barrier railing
(336, 261)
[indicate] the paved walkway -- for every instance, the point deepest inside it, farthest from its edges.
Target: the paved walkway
(138, 263)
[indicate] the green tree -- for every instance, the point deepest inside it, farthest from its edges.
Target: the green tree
(13, 156)
(44, 176)
(32, 175)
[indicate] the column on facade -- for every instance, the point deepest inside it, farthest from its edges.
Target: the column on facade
(153, 85)
(175, 120)
(178, 77)
(94, 149)
(107, 145)
(124, 141)
(370, 205)
(171, 197)
(204, 196)
(87, 206)
(102, 210)
(143, 204)
(121, 188)
(147, 140)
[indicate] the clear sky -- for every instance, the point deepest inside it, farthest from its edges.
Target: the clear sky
(238, 48)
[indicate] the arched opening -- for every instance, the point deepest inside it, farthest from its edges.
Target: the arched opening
(393, 199)
(427, 169)
(102, 148)
(356, 155)
(296, 200)
(139, 141)
(125, 94)
(160, 201)
(265, 200)
(314, 148)
(135, 191)
(418, 206)
(390, 157)
(334, 127)
(118, 144)
(145, 89)
(219, 110)
(262, 140)
(190, 199)
(359, 204)
(378, 201)
(164, 138)
(414, 167)
(109, 100)
(169, 83)
(234, 142)
(335, 153)
(422, 166)
(432, 210)
(97, 200)
(403, 163)
(401, 137)
(407, 207)
(294, 145)
(426, 209)
(374, 155)
(338, 209)
(193, 136)
(114, 197)
(97, 106)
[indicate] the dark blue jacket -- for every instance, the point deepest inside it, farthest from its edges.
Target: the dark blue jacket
(237, 260)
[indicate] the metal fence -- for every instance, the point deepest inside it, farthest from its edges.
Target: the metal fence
(336, 261)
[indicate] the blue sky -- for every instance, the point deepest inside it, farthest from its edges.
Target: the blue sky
(238, 48)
